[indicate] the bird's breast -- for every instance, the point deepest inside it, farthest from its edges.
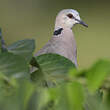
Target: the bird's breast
(65, 45)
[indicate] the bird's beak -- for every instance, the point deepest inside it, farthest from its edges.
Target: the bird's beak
(82, 23)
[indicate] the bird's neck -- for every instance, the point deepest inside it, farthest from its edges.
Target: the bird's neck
(59, 31)
(64, 35)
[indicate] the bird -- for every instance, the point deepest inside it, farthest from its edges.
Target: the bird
(63, 41)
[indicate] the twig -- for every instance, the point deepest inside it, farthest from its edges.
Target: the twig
(2, 42)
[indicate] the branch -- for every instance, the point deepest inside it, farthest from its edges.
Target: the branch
(2, 42)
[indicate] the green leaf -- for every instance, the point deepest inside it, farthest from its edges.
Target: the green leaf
(13, 65)
(39, 100)
(13, 68)
(24, 48)
(94, 101)
(97, 74)
(54, 67)
(16, 97)
(71, 97)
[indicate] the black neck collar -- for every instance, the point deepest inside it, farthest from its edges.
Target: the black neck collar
(58, 31)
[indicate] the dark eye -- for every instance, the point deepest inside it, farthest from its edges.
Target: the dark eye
(70, 15)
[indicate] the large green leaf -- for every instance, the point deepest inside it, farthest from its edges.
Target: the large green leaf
(23, 48)
(70, 97)
(13, 65)
(53, 67)
(97, 74)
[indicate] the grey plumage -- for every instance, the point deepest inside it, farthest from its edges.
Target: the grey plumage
(63, 43)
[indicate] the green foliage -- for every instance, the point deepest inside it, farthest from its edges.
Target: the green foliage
(50, 81)
(71, 97)
(52, 68)
(13, 65)
(23, 48)
(97, 74)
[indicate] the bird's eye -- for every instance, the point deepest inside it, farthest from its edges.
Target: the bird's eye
(70, 15)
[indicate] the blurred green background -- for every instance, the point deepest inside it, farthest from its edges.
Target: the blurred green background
(22, 19)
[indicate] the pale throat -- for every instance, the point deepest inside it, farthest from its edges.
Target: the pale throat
(64, 26)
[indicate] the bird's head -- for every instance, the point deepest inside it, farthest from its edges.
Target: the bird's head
(67, 18)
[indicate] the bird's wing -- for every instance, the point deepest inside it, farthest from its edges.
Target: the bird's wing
(48, 48)
(54, 45)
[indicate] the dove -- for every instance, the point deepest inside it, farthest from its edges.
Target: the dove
(63, 41)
